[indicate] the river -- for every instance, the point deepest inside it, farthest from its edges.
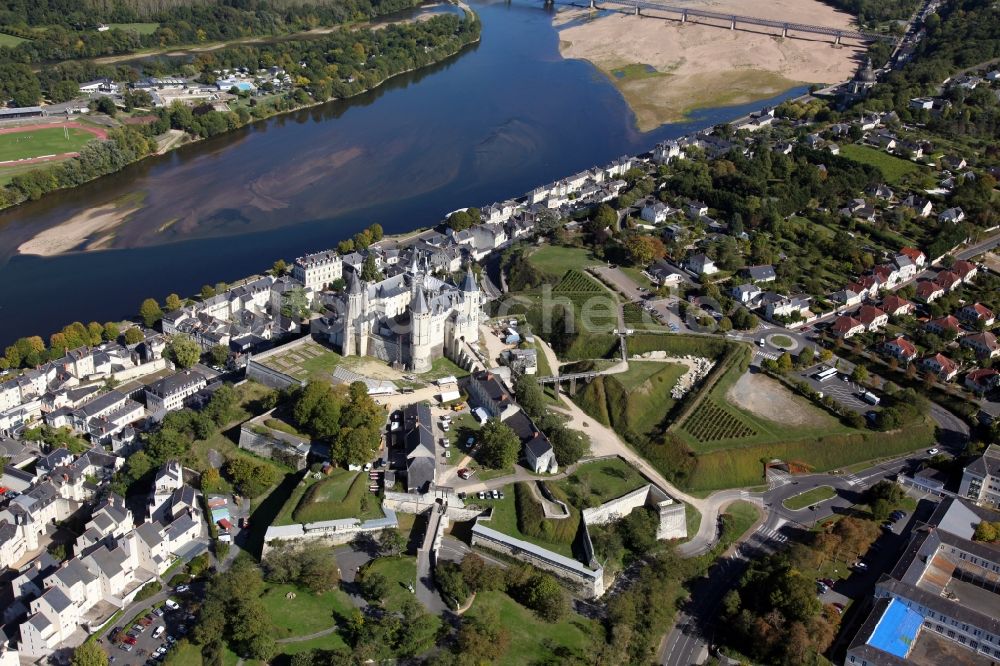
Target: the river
(492, 122)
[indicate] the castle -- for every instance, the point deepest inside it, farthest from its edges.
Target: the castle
(410, 318)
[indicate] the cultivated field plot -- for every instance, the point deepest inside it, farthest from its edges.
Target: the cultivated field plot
(576, 282)
(555, 260)
(25, 143)
(711, 422)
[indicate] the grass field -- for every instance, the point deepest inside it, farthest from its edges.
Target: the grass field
(594, 483)
(809, 497)
(555, 260)
(743, 516)
(533, 641)
(638, 399)
(782, 341)
(184, 653)
(634, 72)
(308, 361)
(307, 613)
(10, 41)
(893, 168)
(140, 28)
(400, 571)
(343, 494)
(39, 142)
(561, 532)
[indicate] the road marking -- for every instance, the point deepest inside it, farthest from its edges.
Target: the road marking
(773, 356)
(854, 480)
(772, 535)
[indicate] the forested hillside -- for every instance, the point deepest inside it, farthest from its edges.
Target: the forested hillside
(54, 30)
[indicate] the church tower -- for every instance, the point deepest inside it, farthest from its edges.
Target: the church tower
(355, 309)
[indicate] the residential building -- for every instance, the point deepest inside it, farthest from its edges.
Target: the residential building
(536, 448)
(872, 317)
(896, 306)
(982, 380)
(929, 291)
(745, 293)
(953, 215)
(488, 392)
(421, 449)
(901, 349)
(656, 212)
(168, 394)
(984, 344)
(763, 273)
(940, 365)
(966, 270)
(846, 327)
(976, 314)
(700, 264)
(942, 325)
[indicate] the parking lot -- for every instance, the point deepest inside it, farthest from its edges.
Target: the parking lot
(138, 644)
(844, 392)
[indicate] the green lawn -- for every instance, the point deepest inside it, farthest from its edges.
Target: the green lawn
(343, 494)
(400, 571)
(743, 516)
(555, 260)
(10, 41)
(504, 519)
(810, 497)
(594, 483)
(184, 654)
(443, 367)
(307, 361)
(140, 28)
(307, 613)
(638, 399)
(39, 142)
(533, 641)
(893, 168)
(782, 341)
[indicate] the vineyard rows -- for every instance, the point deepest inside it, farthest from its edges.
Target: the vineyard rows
(710, 423)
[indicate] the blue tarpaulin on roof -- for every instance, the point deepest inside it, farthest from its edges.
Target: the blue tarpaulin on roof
(220, 514)
(897, 630)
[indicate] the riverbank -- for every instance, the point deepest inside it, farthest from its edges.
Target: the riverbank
(80, 227)
(665, 69)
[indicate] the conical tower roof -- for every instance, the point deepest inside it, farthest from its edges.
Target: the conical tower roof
(354, 285)
(420, 302)
(470, 281)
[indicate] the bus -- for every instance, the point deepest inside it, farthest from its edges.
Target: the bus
(869, 397)
(825, 373)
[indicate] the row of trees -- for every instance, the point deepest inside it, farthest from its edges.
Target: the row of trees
(31, 351)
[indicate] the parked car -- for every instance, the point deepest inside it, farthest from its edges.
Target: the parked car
(183, 588)
(861, 566)
(171, 604)
(933, 452)
(840, 607)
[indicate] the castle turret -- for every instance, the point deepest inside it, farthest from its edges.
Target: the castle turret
(420, 332)
(472, 295)
(355, 309)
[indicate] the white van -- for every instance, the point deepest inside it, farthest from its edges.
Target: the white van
(158, 632)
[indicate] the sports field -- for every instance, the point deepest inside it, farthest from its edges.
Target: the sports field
(24, 143)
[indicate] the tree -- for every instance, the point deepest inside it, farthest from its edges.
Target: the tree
(207, 291)
(499, 446)
(374, 587)
(785, 363)
(150, 312)
(173, 302)
(529, 396)
(806, 357)
(644, 249)
(183, 351)
(369, 271)
(859, 374)
(449, 579)
(89, 654)
(134, 336)
(218, 355)
(111, 331)
(279, 268)
(295, 304)
(250, 477)
(547, 598)
(391, 541)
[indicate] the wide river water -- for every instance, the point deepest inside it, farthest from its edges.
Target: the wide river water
(494, 121)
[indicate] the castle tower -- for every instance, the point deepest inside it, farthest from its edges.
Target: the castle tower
(470, 290)
(420, 332)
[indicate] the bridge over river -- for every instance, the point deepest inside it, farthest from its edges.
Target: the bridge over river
(732, 21)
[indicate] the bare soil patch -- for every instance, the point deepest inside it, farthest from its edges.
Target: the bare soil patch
(764, 397)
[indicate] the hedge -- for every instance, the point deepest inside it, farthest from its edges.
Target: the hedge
(677, 344)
